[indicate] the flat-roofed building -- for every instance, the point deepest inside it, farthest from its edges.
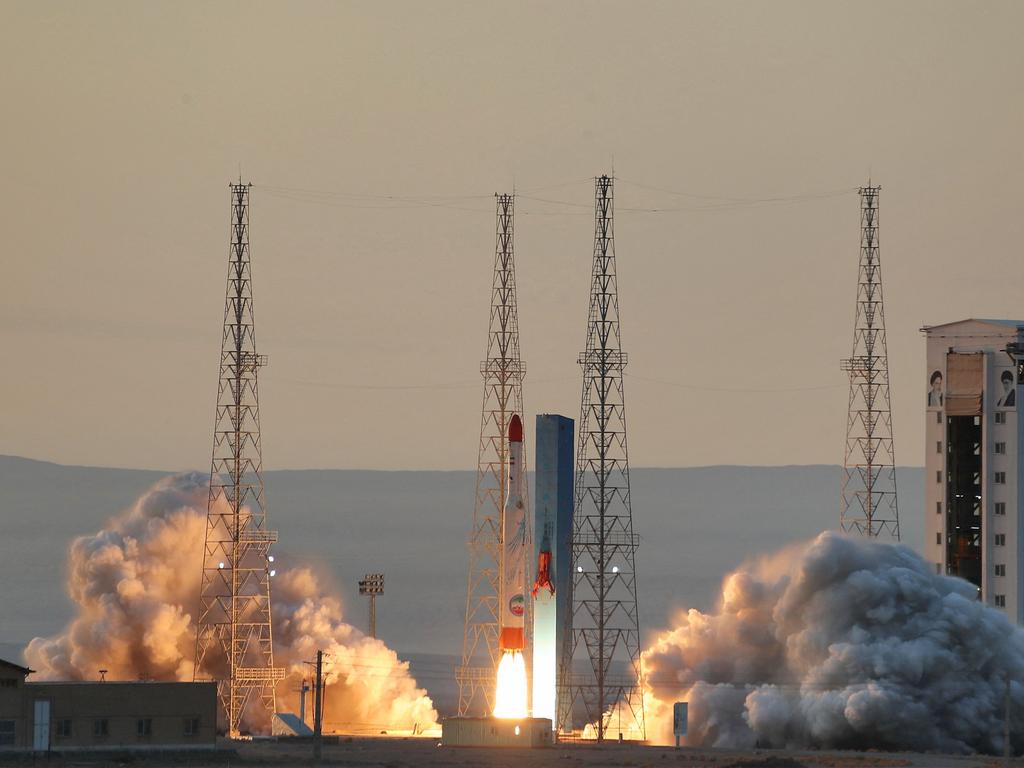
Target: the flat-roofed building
(974, 448)
(94, 715)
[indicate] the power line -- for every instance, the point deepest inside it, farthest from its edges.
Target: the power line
(738, 390)
(389, 201)
(455, 385)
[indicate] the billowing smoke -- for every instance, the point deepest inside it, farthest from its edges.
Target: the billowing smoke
(135, 586)
(841, 643)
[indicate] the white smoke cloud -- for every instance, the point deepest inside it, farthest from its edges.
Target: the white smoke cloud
(135, 585)
(840, 643)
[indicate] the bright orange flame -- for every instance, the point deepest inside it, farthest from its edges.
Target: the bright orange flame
(510, 696)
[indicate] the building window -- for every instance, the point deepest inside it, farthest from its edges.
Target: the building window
(1000, 539)
(1000, 447)
(1000, 601)
(1000, 417)
(1000, 507)
(938, 417)
(938, 476)
(938, 447)
(1001, 570)
(1000, 478)
(6, 733)
(938, 569)
(191, 726)
(9, 682)
(938, 507)
(100, 728)
(144, 727)
(63, 728)
(938, 537)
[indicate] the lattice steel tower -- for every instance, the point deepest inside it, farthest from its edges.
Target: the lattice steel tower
(234, 643)
(503, 373)
(869, 505)
(605, 621)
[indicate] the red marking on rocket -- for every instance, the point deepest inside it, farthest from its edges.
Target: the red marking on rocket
(515, 429)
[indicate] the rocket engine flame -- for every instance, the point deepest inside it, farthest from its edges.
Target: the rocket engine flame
(510, 694)
(135, 585)
(841, 643)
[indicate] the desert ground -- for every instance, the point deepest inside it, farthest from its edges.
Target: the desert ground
(423, 753)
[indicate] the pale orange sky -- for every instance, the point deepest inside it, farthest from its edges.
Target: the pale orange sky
(123, 123)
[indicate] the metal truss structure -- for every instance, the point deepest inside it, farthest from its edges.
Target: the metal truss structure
(869, 504)
(503, 373)
(234, 643)
(605, 622)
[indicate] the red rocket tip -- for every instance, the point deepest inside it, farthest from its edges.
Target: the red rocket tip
(515, 429)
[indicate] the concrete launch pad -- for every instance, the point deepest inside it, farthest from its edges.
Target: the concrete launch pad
(496, 732)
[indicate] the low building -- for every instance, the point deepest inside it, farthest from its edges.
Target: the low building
(95, 715)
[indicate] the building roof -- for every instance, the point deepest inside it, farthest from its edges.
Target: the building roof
(11, 665)
(1014, 324)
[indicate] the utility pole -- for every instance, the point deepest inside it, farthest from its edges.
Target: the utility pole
(372, 585)
(1006, 727)
(318, 694)
(869, 505)
(302, 690)
(605, 621)
(503, 372)
(234, 638)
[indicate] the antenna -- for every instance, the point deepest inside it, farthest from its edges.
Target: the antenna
(869, 505)
(234, 644)
(605, 632)
(503, 373)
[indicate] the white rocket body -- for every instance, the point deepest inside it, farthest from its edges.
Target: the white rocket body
(513, 538)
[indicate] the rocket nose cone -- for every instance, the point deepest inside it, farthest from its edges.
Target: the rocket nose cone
(515, 429)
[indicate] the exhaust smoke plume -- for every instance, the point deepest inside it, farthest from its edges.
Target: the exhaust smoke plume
(841, 643)
(135, 586)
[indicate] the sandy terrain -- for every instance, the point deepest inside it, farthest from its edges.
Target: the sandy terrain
(413, 753)
(386, 752)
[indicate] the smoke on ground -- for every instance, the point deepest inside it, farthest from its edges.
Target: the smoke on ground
(135, 587)
(841, 643)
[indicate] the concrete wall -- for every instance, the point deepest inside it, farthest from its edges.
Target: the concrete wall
(496, 732)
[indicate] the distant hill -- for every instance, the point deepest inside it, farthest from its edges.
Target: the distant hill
(695, 524)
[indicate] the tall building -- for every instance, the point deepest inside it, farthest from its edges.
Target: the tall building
(974, 448)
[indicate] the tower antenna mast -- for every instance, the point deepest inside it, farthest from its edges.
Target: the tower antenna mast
(869, 504)
(605, 621)
(503, 372)
(234, 642)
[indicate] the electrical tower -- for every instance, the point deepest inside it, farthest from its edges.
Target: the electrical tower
(503, 373)
(234, 644)
(869, 505)
(605, 622)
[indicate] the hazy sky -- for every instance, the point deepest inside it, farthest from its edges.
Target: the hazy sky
(124, 122)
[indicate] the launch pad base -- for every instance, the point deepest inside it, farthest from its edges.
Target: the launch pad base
(496, 732)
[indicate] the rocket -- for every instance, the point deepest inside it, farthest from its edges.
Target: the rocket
(513, 546)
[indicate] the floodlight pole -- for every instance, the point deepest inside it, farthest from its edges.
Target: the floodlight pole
(371, 585)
